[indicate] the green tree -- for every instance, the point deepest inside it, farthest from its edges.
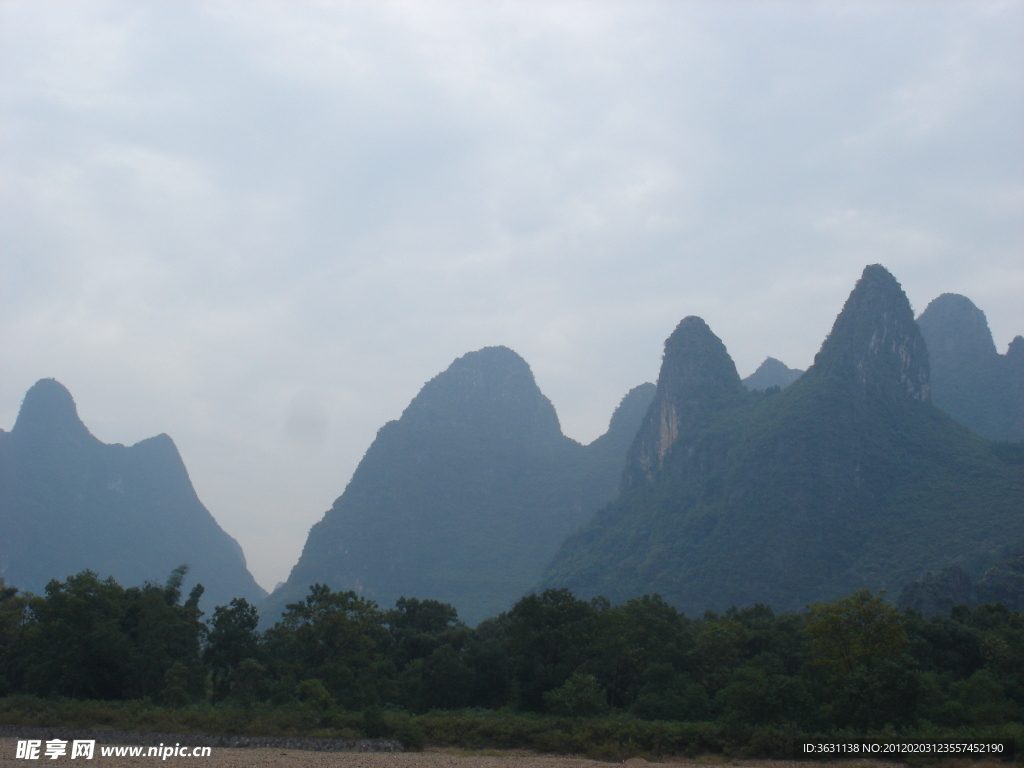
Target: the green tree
(631, 637)
(94, 639)
(580, 696)
(667, 694)
(80, 648)
(232, 639)
(420, 627)
(165, 634)
(857, 645)
(338, 638)
(16, 637)
(720, 649)
(549, 638)
(859, 631)
(759, 693)
(443, 680)
(494, 672)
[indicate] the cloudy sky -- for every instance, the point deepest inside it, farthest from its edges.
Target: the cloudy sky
(260, 227)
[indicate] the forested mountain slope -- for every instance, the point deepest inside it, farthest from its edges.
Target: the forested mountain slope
(849, 478)
(466, 496)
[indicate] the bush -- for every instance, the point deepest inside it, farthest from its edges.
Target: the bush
(313, 692)
(580, 696)
(411, 735)
(375, 726)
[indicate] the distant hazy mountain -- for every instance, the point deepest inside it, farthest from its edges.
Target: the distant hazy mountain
(937, 593)
(466, 496)
(848, 478)
(70, 502)
(971, 381)
(772, 373)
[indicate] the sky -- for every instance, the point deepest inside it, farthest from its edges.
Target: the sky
(260, 227)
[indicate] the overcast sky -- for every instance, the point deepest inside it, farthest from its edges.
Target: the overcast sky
(261, 227)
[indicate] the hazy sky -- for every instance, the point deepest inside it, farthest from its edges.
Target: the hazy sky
(261, 227)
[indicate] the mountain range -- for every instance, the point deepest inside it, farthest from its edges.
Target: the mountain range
(874, 468)
(849, 478)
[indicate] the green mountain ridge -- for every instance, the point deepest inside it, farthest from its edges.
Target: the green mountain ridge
(849, 478)
(466, 496)
(69, 502)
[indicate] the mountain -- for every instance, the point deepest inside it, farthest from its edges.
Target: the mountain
(849, 478)
(772, 373)
(971, 381)
(69, 502)
(937, 593)
(466, 496)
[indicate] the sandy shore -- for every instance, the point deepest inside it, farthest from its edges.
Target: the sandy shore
(433, 758)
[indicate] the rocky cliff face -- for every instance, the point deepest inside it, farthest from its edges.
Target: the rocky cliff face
(466, 496)
(971, 381)
(697, 380)
(69, 502)
(875, 343)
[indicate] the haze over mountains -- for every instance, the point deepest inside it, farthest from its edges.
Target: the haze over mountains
(466, 496)
(69, 502)
(871, 469)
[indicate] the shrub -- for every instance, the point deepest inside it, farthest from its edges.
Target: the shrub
(580, 696)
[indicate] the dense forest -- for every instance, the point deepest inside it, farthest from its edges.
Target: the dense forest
(854, 665)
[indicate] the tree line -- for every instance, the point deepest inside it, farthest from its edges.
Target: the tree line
(856, 663)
